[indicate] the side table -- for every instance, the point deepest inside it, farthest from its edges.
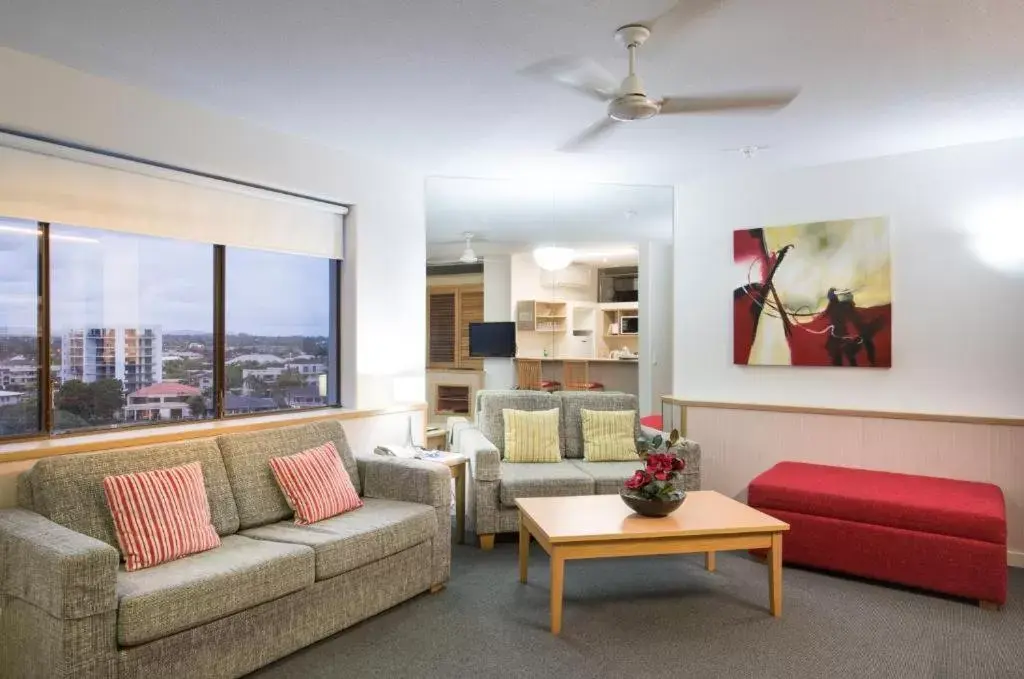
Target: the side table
(437, 438)
(457, 466)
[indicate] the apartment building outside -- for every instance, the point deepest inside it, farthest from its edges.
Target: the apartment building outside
(132, 355)
(18, 376)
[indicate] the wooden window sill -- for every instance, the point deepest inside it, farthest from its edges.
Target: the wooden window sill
(164, 433)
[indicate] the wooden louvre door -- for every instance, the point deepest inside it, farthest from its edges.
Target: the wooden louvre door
(441, 317)
(471, 310)
(450, 310)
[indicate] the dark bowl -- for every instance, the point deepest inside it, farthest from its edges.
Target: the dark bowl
(653, 508)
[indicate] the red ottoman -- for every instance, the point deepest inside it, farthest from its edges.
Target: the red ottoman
(938, 534)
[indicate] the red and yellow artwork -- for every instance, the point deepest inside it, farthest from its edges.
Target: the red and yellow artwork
(816, 294)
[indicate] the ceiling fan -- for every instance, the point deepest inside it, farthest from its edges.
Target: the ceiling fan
(628, 101)
(468, 255)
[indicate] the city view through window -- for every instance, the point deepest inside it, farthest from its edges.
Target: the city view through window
(131, 329)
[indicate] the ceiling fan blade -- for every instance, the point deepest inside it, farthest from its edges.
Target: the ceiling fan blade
(583, 75)
(589, 136)
(739, 102)
(672, 22)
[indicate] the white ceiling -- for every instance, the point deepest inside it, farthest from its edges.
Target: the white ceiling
(434, 84)
(513, 215)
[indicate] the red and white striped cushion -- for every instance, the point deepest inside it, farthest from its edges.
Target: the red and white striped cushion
(160, 515)
(315, 484)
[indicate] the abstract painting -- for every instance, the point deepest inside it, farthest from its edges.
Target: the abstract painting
(815, 294)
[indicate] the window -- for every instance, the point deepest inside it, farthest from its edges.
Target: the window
(19, 328)
(278, 331)
(143, 329)
(132, 322)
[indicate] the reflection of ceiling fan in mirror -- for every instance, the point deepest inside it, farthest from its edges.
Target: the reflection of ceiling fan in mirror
(468, 255)
(628, 101)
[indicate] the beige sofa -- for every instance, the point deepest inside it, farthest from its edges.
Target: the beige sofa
(69, 609)
(495, 484)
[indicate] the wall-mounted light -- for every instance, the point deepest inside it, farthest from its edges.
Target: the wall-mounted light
(553, 258)
(996, 234)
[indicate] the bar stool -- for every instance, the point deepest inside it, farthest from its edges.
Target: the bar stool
(528, 376)
(576, 376)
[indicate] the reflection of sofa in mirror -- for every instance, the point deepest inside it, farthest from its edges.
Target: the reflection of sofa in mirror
(495, 484)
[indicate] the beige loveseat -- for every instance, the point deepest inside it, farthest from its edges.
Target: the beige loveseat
(69, 609)
(495, 484)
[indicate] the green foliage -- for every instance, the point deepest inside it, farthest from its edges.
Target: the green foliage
(108, 398)
(290, 379)
(197, 406)
(20, 419)
(97, 402)
(234, 376)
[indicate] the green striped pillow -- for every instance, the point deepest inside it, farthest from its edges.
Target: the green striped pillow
(608, 435)
(531, 435)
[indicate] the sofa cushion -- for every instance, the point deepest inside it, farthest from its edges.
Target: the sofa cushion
(247, 461)
(351, 540)
(927, 504)
(544, 479)
(531, 435)
(572, 420)
(608, 476)
(608, 435)
(315, 484)
(68, 489)
(490, 403)
(178, 595)
(160, 515)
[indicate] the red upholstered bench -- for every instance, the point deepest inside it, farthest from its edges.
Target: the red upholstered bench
(938, 534)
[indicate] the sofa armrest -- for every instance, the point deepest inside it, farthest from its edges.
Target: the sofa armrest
(399, 478)
(651, 432)
(67, 574)
(484, 458)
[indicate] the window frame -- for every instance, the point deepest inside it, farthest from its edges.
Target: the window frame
(44, 388)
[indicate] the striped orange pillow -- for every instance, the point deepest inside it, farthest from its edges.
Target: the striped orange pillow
(160, 515)
(315, 484)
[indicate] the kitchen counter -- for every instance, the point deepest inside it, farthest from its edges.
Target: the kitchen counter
(549, 359)
(616, 374)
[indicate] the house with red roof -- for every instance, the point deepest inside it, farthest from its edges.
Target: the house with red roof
(161, 401)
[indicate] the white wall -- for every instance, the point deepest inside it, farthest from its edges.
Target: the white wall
(957, 324)
(383, 302)
(499, 373)
(656, 327)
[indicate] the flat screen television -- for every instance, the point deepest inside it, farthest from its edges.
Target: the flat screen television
(492, 340)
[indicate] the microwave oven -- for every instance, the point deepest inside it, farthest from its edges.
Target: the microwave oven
(629, 325)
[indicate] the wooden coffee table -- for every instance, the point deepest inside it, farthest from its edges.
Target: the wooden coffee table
(598, 526)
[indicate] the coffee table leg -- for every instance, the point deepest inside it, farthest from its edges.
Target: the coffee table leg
(775, 575)
(709, 561)
(557, 581)
(524, 549)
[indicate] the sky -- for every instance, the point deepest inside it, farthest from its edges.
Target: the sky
(105, 278)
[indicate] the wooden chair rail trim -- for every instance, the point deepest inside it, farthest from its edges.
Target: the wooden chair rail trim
(142, 436)
(844, 412)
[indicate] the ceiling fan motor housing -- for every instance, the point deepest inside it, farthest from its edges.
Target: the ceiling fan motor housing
(633, 107)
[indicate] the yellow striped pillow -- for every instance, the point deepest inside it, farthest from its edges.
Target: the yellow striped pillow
(608, 435)
(531, 435)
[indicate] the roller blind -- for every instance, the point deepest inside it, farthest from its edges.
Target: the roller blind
(43, 187)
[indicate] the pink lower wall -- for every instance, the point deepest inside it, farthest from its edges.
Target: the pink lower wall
(740, 444)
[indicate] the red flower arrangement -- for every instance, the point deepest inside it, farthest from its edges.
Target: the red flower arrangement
(656, 481)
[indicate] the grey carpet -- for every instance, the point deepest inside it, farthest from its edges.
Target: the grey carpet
(666, 616)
